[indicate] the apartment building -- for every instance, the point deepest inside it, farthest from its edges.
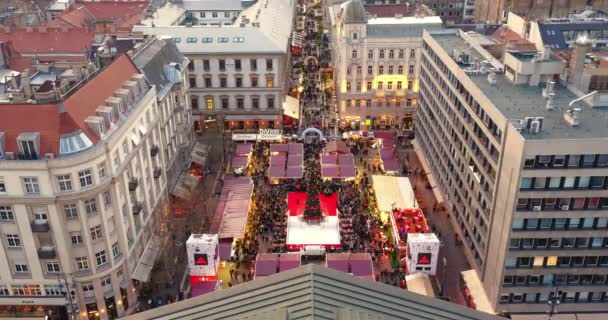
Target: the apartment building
(82, 187)
(376, 65)
(521, 162)
(239, 72)
(166, 68)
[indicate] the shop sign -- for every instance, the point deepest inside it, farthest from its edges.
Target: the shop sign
(200, 259)
(270, 134)
(424, 258)
(244, 136)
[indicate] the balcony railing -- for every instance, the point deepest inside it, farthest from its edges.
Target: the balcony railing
(47, 252)
(40, 226)
(157, 173)
(154, 151)
(137, 207)
(133, 184)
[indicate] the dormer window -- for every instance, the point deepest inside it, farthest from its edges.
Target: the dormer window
(74, 142)
(29, 143)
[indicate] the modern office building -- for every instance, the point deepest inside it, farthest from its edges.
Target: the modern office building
(313, 292)
(166, 68)
(521, 162)
(239, 73)
(495, 11)
(82, 190)
(376, 63)
(452, 11)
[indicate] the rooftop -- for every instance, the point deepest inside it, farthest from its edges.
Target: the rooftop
(47, 40)
(520, 101)
(263, 27)
(313, 292)
(65, 118)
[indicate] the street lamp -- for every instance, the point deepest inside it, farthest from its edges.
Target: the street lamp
(554, 301)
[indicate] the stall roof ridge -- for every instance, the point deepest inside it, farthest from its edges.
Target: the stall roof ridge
(312, 292)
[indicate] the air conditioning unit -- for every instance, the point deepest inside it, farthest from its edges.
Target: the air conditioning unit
(535, 126)
(565, 207)
(536, 208)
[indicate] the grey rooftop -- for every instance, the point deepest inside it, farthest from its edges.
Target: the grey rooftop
(520, 101)
(313, 292)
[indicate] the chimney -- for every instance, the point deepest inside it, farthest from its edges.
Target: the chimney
(577, 61)
(25, 83)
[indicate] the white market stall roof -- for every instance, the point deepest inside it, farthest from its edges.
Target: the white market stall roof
(420, 283)
(394, 192)
(476, 290)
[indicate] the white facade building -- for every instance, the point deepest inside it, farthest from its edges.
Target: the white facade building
(81, 195)
(376, 63)
(238, 72)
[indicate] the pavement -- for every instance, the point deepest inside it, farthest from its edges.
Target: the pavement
(169, 276)
(439, 221)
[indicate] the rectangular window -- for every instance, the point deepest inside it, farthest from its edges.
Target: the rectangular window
(22, 268)
(389, 85)
(381, 70)
(207, 40)
(208, 83)
(82, 263)
(85, 177)
(71, 211)
(2, 185)
(370, 70)
(206, 65)
(76, 238)
(574, 160)
(379, 85)
(6, 213)
(31, 185)
(381, 54)
(253, 64)
(13, 241)
(91, 206)
(390, 69)
(53, 289)
(588, 160)
(96, 232)
(412, 53)
(370, 54)
(240, 104)
(65, 182)
(400, 70)
(224, 103)
(369, 86)
(107, 199)
(268, 64)
(391, 54)
(540, 183)
(269, 81)
(358, 86)
(255, 103)
(52, 267)
(410, 70)
(115, 250)
(270, 102)
(602, 160)
(223, 82)
(569, 182)
(239, 82)
(223, 39)
(399, 85)
(401, 55)
(100, 257)
(597, 182)
(222, 64)
(525, 183)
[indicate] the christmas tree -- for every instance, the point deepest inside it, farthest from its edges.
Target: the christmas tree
(313, 204)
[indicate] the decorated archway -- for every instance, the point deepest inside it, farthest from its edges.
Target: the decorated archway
(308, 131)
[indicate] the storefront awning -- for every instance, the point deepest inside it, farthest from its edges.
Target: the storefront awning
(199, 153)
(148, 259)
(251, 117)
(291, 107)
(436, 191)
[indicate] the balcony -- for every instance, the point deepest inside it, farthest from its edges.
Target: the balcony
(137, 207)
(46, 252)
(157, 173)
(133, 184)
(40, 226)
(154, 151)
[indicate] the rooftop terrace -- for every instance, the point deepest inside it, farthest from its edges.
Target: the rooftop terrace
(520, 101)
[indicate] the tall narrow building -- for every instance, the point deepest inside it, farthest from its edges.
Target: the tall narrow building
(522, 164)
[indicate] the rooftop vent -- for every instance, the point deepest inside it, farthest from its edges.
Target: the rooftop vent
(492, 78)
(571, 116)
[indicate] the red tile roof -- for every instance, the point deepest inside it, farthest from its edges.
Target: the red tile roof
(94, 93)
(17, 119)
(51, 40)
(123, 14)
(51, 122)
(79, 17)
(512, 40)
